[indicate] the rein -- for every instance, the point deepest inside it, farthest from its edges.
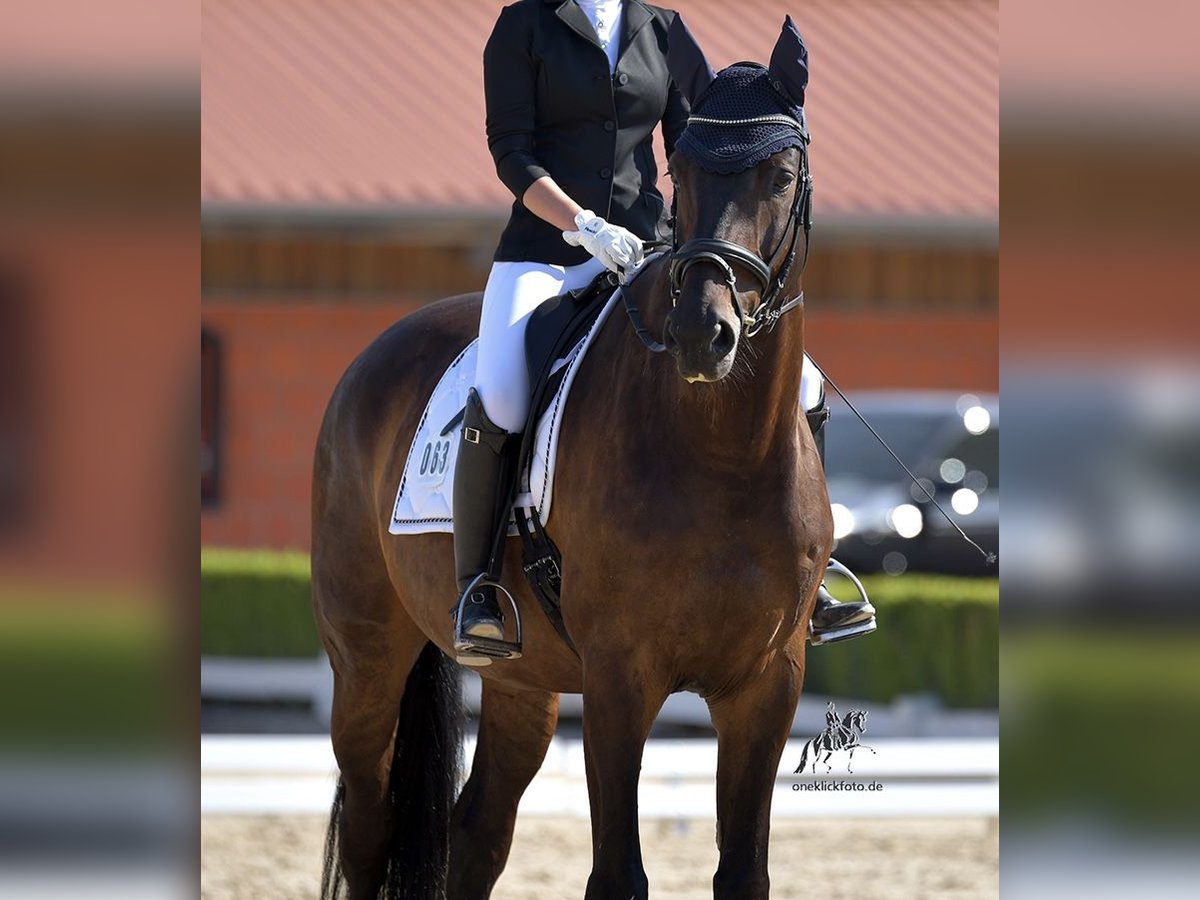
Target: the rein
(726, 254)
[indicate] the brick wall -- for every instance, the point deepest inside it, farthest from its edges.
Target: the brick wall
(940, 350)
(98, 342)
(281, 358)
(280, 361)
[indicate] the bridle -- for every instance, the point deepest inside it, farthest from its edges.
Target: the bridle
(726, 254)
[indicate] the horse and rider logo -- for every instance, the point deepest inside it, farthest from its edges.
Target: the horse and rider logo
(839, 734)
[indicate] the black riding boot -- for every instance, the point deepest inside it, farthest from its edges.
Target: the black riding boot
(834, 620)
(485, 458)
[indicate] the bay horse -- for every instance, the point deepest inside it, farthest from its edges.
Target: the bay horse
(694, 527)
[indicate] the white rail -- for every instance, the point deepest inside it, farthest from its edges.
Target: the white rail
(287, 774)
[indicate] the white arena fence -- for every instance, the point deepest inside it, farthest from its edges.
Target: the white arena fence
(255, 775)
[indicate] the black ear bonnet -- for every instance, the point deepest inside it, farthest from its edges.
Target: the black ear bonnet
(748, 111)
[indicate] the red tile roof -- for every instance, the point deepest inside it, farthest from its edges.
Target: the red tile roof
(365, 103)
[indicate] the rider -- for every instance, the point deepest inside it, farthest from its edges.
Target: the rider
(573, 93)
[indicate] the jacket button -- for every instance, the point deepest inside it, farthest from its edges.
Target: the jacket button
(609, 125)
(605, 172)
(623, 78)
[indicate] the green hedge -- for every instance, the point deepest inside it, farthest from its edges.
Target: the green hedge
(1100, 724)
(936, 634)
(256, 603)
(89, 676)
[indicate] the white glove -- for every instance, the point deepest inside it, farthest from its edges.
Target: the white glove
(618, 248)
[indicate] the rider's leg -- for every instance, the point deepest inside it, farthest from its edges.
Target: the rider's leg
(494, 416)
(514, 290)
(832, 620)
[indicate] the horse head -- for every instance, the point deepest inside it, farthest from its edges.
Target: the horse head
(856, 720)
(742, 195)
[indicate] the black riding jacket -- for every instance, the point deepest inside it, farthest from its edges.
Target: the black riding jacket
(553, 108)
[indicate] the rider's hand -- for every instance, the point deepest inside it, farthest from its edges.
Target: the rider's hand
(618, 248)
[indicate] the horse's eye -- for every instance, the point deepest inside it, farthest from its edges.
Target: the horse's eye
(783, 181)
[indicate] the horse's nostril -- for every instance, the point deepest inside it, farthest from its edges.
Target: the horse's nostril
(724, 341)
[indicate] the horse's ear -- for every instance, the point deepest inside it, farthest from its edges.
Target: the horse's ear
(789, 63)
(686, 62)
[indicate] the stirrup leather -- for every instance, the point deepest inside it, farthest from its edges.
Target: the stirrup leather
(494, 648)
(833, 635)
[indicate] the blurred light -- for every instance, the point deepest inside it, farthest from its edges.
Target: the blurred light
(1052, 547)
(977, 419)
(843, 521)
(976, 481)
(895, 563)
(922, 490)
(952, 470)
(965, 402)
(906, 520)
(964, 501)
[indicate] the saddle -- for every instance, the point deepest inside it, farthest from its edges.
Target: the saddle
(553, 330)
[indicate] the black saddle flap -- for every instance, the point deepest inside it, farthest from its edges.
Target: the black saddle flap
(554, 328)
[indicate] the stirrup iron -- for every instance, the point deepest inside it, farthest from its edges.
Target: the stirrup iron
(833, 635)
(493, 648)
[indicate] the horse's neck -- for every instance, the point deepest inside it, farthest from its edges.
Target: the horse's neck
(747, 420)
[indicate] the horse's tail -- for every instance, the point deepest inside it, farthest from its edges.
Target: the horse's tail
(426, 765)
(803, 757)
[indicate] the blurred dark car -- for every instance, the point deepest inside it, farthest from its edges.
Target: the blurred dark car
(882, 521)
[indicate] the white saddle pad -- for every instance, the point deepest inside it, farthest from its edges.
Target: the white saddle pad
(423, 499)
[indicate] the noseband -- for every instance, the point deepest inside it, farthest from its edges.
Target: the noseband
(725, 255)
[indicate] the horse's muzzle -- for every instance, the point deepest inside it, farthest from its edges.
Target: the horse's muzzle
(703, 345)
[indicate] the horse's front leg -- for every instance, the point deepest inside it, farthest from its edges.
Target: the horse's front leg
(620, 701)
(752, 726)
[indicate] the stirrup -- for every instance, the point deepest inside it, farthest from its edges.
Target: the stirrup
(833, 635)
(480, 651)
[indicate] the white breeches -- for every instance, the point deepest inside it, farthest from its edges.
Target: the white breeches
(513, 291)
(812, 386)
